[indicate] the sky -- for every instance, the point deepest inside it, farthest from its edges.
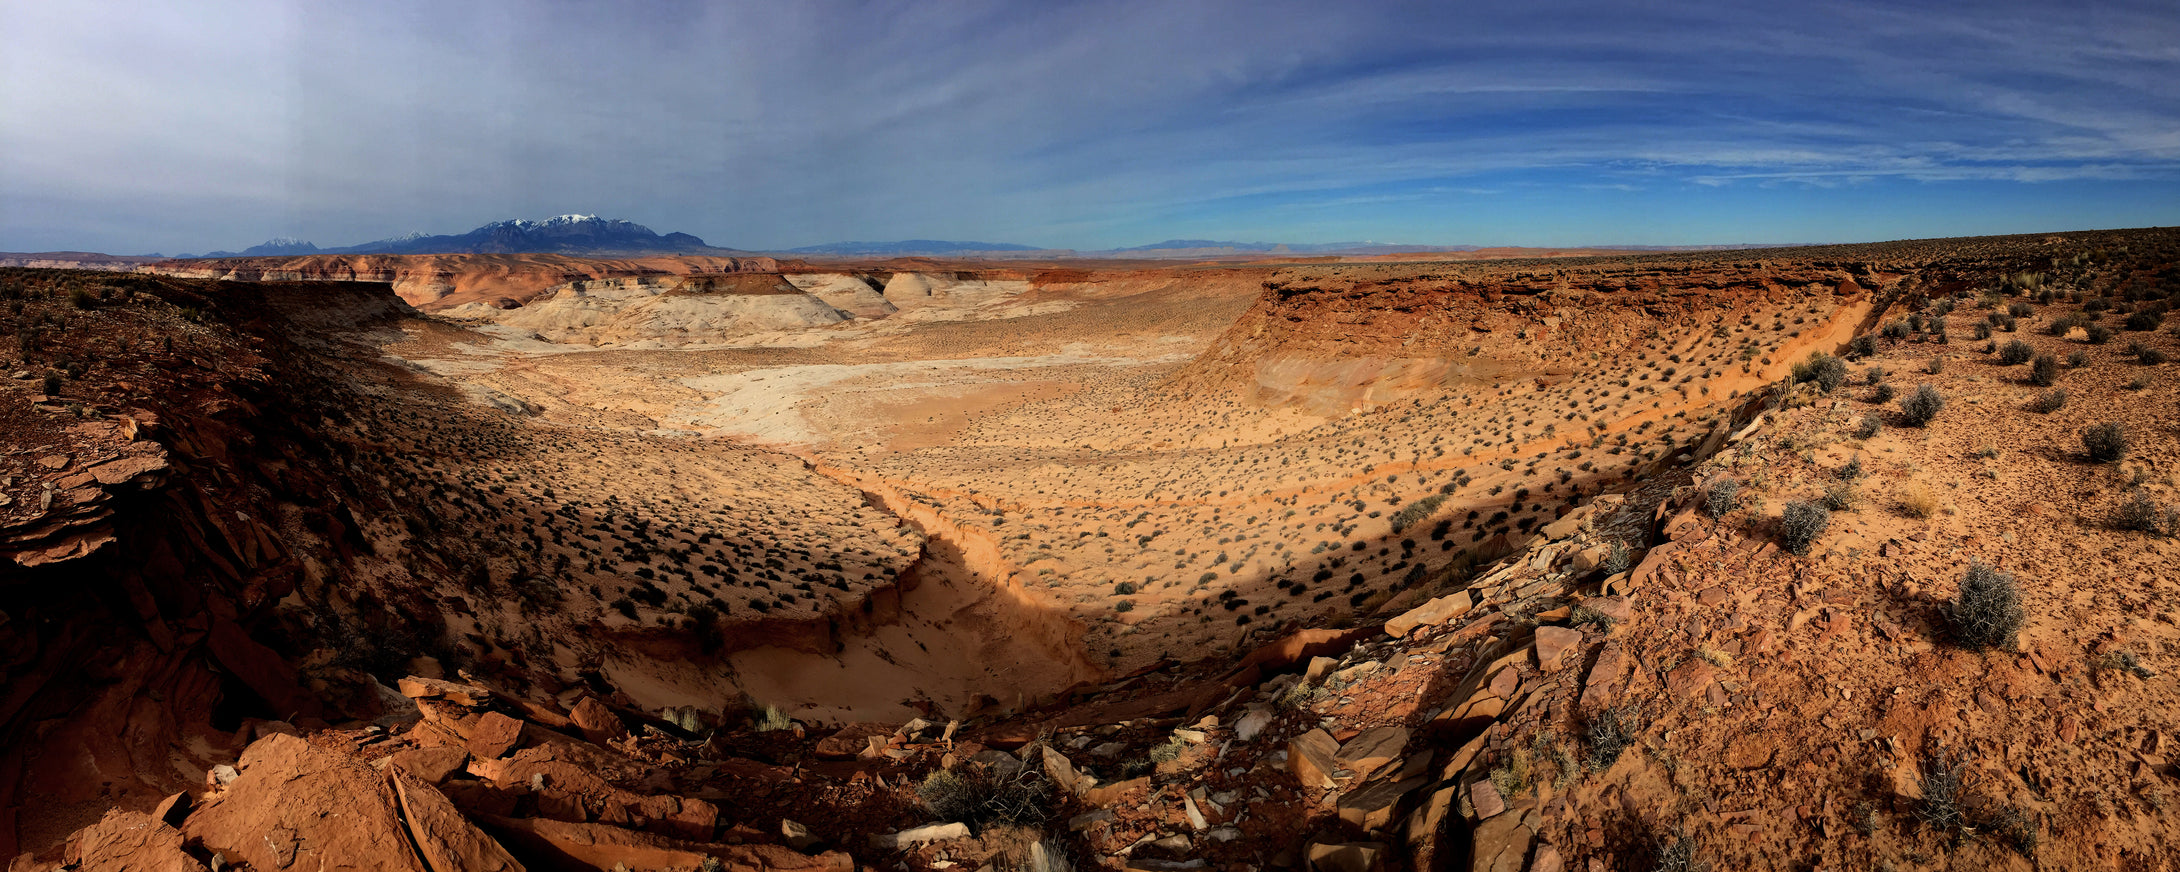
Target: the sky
(134, 127)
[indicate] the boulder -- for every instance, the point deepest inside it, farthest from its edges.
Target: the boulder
(1505, 682)
(1424, 825)
(1501, 844)
(297, 806)
(798, 836)
(128, 841)
(1601, 689)
(1372, 807)
(1553, 643)
(430, 765)
(1690, 682)
(1564, 527)
(1110, 794)
(447, 841)
(1062, 772)
(600, 725)
(850, 741)
(1372, 750)
(922, 835)
(1349, 857)
(173, 809)
(1431, 614)
(1312, 758)
(1484, 800)
(419, 687)
(493, 735)
(1614, 607)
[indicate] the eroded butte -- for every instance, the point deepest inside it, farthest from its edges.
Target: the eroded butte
(620, 562)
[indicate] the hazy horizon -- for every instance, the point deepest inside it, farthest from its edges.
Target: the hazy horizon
(1088, 126)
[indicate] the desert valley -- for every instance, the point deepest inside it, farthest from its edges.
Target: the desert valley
(1850, 556)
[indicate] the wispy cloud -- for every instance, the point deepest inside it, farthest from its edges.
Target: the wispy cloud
(1069, 124)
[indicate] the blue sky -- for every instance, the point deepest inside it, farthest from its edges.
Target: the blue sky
(128, 127)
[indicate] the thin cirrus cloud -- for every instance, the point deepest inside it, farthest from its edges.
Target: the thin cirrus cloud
(169, 127)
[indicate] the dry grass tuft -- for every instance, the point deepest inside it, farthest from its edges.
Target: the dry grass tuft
(1917, 500)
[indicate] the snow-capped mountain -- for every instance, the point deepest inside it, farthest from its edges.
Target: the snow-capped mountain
(566, 234)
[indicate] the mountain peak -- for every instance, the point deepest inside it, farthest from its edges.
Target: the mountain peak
(280, 245)
(563, 234)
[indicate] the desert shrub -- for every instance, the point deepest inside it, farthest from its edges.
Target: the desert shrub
(82, 299)
(1831, 374)
(2105, 443)
(1124, 606)
(1841, 496)
(1869, 427)
(2098, 334)
(1944, 784)
(2013, 827)
(2142, 514)
(2140, 382)
(2149, 357)
(1721, 495)
(1883, 394)
(2049, 401)
(1416, 511)
(2077, 359)
(2144, 319)
(52, 384)
(1916, 409)
(1935, 366)
(979, 795)
(1617, 559)
(2064, 324)
(1608, 734)
(2015, 353)
(1918, 500)
(769, 719)
(2020, 309)
(1862, 346)
(1124, 588)
(1801, 524)
(1896, 331)
(1853, 468)
(1827, 371)
(1874, 375)
(2044, 371)
(1678, 855)
(1987, 611)
(1983, 330)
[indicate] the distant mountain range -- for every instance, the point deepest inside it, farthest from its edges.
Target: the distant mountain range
(591, 235)
(1177, 249)
(1212, 245)
(1171, 248)
(908, 247)
(567, 234)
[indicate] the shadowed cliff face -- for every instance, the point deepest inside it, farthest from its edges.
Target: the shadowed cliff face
(179, 492)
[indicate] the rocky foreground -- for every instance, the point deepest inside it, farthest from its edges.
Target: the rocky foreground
(1908, 607)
